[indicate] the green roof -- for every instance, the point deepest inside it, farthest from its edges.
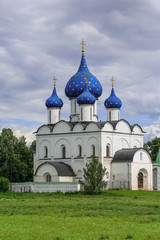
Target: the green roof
(157, 162)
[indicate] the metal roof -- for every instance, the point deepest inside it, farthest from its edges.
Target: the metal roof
(63, 169)
(125, 154)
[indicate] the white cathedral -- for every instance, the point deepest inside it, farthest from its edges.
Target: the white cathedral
(64, 147)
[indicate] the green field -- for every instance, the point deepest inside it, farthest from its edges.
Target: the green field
(111, 215)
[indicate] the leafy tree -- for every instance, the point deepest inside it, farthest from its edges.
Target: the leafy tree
(16, 161)
(93, 175)
(152, 147)
(4, 184)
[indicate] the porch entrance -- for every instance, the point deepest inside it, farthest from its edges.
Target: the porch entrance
(142, 179)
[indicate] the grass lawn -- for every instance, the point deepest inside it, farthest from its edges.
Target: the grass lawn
(116, 214)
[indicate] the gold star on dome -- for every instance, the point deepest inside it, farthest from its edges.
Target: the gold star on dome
(85, 77)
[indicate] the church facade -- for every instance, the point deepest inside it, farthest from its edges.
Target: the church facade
(64, 147)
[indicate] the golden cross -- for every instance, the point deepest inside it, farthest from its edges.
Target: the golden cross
(54, 79)
(82, 43)
(112, 82)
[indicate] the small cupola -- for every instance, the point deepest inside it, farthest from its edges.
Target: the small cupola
(86, 102)
(54, 105)
(86, 97)
(113, 105)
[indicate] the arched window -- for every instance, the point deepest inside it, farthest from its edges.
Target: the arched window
(63, 151)
(108, 150)
(79, 151)
(49, 116)
(93, 150)
(94, 108)
(91, 114)
(109, 116)
(48, 178)
(59, 116)
(45, 151)
(81, 114)
(75, 106)
(140, 155)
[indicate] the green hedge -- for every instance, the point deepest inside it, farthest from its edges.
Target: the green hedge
(4, 184)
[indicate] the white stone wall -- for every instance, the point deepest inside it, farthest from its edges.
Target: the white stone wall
(123, 171)
(86, 137)
(45, 187)
(140, 167)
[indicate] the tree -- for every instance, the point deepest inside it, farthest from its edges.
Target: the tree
(93, 175)
(152, 147)
(4, 184)
(16, 158)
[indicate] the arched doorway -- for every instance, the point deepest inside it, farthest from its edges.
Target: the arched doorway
(142, 179)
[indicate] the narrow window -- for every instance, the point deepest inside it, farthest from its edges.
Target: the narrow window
(81, 114)
(140, 155)
(94, 108)
(90, 113)
(63, 151)
(108, 150)
(59, 115)
(49, 116)
(45, 152)
(79, 151)
(109, 116)
(75, 106)
(48, 178)
(93, 150)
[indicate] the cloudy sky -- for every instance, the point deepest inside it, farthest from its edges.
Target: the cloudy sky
(41, 39)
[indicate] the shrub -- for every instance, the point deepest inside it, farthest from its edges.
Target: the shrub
(93, 176)
(4, 184)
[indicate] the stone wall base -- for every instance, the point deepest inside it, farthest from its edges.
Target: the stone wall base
(45, 187)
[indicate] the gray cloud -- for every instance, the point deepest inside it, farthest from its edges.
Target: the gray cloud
(41, 39)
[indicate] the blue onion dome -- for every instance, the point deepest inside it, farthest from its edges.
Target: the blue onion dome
(113, 101)
(86, 97)
(54, 101)
(76, 84)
